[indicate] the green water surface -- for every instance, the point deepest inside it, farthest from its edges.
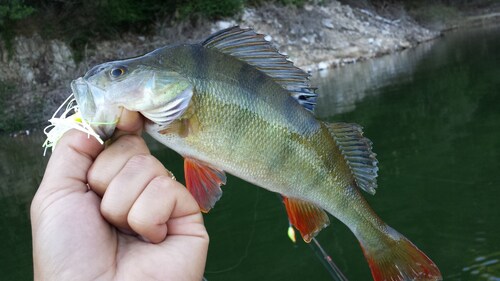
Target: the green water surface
(433, 114)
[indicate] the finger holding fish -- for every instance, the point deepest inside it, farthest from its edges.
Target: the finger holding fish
(127, 186)
(113, 159)
(138, 200)
(130, 122)
(126, 142)
(147, 202)
(157, 211)
(195, 96)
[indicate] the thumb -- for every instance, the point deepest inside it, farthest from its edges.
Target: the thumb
(76, 151)
(70, 161)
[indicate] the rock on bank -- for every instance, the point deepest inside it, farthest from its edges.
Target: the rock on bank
(317, 37)
(314, 37)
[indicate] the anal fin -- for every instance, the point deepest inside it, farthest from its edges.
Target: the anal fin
(203, 181)
(306, 217)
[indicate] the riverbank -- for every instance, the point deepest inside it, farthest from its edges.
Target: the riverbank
(36, 77)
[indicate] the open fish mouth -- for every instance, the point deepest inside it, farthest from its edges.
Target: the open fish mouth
(102, 115)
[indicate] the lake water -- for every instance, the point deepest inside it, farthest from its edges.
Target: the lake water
(433, 113)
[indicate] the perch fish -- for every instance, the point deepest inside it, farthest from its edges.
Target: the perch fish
(233, 104)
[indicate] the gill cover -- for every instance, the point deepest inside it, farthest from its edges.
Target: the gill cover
(172, 110)
(137, 84)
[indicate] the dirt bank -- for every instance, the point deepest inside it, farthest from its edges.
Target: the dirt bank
(314, 37)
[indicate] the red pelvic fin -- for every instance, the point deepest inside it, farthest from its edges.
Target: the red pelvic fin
(203, 181)
(306, 217)
(400, 260)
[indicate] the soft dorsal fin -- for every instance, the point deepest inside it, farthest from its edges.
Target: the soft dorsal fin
(306, 217)
(250, 47)
(357, 151)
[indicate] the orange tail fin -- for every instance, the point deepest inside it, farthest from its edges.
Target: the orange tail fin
(396, 258)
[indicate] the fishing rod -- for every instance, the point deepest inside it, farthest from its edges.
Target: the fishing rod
(327, 261)
(320, 252)
(322, 255)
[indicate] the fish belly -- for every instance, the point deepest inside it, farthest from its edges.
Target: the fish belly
(265, 140)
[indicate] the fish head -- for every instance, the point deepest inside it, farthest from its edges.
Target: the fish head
(137, 84)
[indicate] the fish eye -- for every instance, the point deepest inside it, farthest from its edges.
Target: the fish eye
(117, 71)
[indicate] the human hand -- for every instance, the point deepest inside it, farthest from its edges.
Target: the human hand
(79, 233)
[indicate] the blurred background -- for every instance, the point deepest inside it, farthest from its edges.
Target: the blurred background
(421, 77)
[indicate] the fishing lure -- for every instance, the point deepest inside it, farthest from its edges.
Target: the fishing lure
(61, 122)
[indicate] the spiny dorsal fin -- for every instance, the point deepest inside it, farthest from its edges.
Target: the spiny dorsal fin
(357, 151)
(250, 47)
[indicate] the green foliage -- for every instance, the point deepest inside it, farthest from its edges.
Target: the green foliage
(435, 14)
(14, 10)
(296, 3)
(10, 13)
(80, 22)
(209, 9)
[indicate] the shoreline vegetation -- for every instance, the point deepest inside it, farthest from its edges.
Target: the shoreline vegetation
(44, 46)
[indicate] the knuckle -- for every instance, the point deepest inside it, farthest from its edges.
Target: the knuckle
(160, 182)
(141, 161)
(130, 142)
(112, 214)
(162, 186)
(96, 180)
(136, 220)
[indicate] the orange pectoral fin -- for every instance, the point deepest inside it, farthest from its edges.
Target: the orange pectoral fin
(306, 217)
(203, 181)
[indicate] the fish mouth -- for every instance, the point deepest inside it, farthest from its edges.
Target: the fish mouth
(100, 114)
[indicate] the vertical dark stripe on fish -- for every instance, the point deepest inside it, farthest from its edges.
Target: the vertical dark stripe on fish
(264, 85)
(198, 56)
(279, 159)
(290, 108)
(247, 78)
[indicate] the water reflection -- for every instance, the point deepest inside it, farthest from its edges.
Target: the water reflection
(21, 169)
(438, 144)
(433, 116)
(342, 88)
(483, 267)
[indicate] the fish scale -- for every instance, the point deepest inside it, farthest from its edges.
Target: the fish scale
(248, 142)
(233, 104)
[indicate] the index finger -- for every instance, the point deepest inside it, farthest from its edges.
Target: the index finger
(70, 161)
(130, 123)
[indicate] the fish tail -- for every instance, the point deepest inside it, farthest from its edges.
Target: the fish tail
(393, 257)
